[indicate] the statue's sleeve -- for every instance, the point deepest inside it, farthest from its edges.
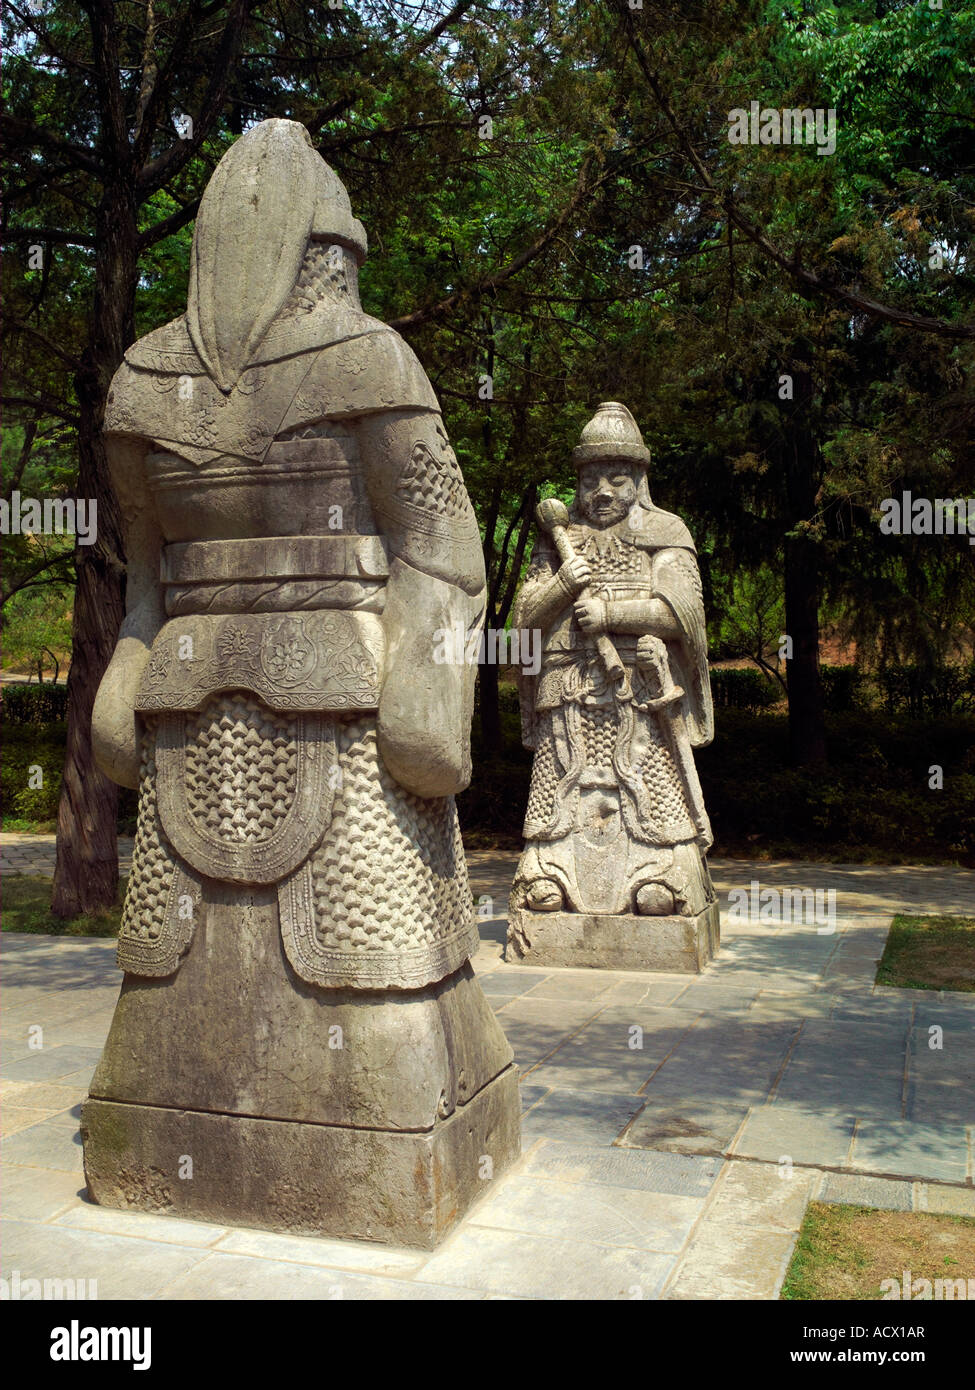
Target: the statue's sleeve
(538, 603)
(115, 725)
(435, 599)
(677, 582)
(543, 597)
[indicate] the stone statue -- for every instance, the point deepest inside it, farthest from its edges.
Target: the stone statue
(299, 1026)
(614, 872)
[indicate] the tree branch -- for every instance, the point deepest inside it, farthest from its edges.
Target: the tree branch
(161, 169)
(450, 18)
(584, 189)
(18, 326)
(27, 133)
(52, 234)
(30, 430)
(43, 405)
(727, 200)
(166, 226)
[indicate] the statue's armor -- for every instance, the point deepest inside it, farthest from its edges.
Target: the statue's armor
(260, 762)
(603, 768)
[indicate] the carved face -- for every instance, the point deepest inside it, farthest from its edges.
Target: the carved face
(606, 492)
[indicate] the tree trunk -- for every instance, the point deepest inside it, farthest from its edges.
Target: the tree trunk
(807, 729)
(803, 583)
(490, 705)
(86, 868)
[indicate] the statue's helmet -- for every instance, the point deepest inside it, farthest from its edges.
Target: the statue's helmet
(269, 196)
(612, 434)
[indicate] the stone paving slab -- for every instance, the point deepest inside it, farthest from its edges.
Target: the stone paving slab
(232, 1277)
(680, 1174)
(778, 1132)
(649, 1171)
(586, 1116)
(592, 1212)
(856, 1190)
(531, 1266)
(120, 1265)
(686, 1125)
(746, 1235)
(899, 1147)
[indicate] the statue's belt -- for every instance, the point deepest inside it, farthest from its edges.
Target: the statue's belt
(322, 660)
(571, 647)
(275, 557)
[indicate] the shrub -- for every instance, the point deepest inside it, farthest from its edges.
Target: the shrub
(743, 688)
(844, 688)
(925, 691)
(27, 746)
(34, 704)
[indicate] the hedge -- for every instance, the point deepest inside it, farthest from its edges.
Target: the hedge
(34, 704)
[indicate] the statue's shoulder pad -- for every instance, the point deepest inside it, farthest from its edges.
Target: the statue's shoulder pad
(363, 373)
(167, 349)
(661, 530)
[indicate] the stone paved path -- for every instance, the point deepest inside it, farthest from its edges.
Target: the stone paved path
(675, 1127)
(34, 854)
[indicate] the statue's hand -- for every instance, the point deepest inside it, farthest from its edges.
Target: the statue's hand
(651, 651)
(591, 615)
(575, 574)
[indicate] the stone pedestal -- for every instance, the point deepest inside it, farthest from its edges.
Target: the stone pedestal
(618, 942)
(400, 1187)
(234, 1092)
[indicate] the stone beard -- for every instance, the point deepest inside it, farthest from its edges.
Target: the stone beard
(615, 824)
(298, 923)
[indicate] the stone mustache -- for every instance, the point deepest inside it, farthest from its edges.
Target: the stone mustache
(614, 872)
(299, 1041)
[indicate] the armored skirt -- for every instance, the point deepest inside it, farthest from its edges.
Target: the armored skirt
(369, 880)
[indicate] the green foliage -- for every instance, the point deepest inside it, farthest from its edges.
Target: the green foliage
(922, 691)
(844, 688)
(27, 748)
(34, 704)
(37, 630)
(873, 803)
(734, 688)
(510, 257)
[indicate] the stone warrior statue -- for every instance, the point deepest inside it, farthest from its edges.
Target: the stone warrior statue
(298, 1021)
(614, 871)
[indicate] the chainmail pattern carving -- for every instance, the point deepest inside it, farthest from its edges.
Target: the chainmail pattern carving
(600, 730)
(545, 778)
(668, 806)
(434, 485)
(322, 278)
(390, 874)
(241, 765)
(153, 867)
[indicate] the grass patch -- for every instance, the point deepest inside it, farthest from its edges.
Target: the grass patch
(929, 953)
(847, 1252)
(25, 906)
